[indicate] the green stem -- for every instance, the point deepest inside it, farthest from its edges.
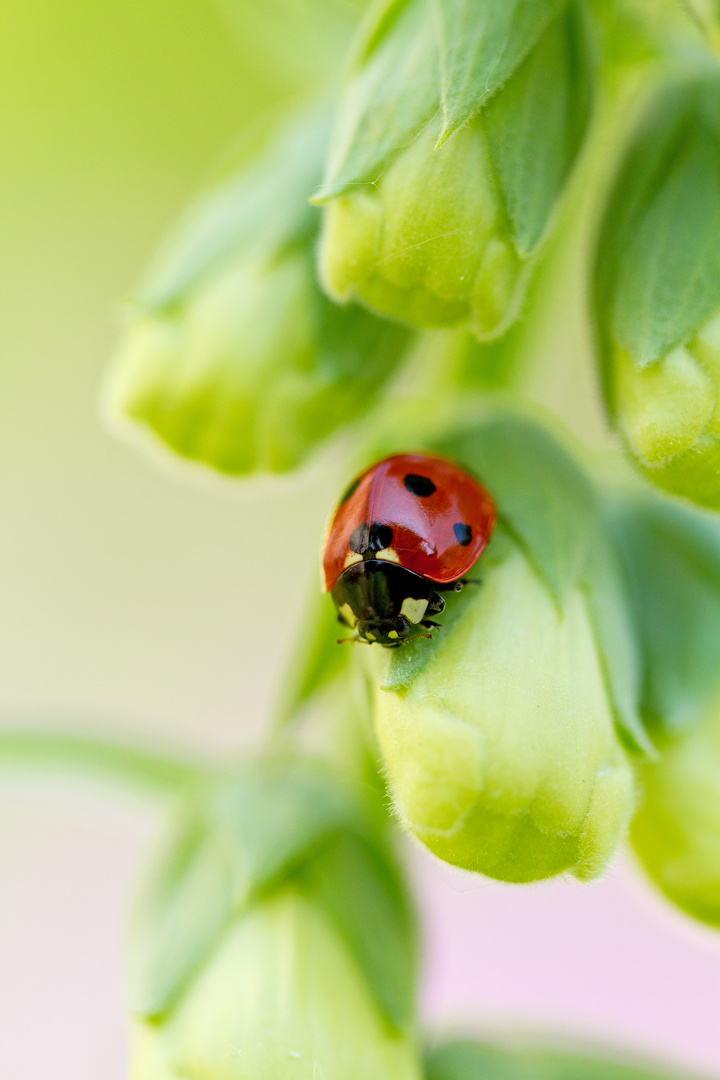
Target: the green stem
(159, 773)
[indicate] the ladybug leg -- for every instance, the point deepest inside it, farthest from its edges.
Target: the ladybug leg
(436, 604)
(431, 625)
(457, 586)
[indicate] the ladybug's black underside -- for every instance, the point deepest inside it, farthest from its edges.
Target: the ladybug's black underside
(384, 602)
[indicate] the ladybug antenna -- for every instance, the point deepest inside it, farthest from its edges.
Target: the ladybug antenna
(354, 640)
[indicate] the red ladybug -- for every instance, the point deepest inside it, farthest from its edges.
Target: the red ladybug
(406, 529)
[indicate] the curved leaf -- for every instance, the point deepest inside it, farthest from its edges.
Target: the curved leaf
(482, 43)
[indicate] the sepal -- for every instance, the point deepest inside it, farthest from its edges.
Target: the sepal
(435, 225)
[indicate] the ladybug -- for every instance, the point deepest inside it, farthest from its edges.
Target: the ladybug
(406, 529)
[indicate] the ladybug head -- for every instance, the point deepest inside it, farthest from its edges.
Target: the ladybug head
(388, 632)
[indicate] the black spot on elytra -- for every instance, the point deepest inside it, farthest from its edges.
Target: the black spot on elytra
(375, 538)
(463, 533)
(381, 536)
(359, 539)
(421, 486)
(350, 491)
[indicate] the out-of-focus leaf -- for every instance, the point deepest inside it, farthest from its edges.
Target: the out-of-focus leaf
(360, 888)
(272, 816)
(672, 564)
(234, 358)
(466, 1060)
(392, 93)
(188, 904)
(260, 210)
(658, 260)
(274, 826)
(617, 645)
(243, 838)
(535, 126)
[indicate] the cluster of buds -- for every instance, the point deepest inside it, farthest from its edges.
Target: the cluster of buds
(275, 938)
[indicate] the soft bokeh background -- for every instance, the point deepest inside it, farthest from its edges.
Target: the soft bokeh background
(133, 600)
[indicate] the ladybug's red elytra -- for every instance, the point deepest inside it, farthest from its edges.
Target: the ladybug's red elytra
(406, 529)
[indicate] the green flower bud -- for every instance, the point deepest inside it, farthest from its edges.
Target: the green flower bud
(672, 559)
(658, 294)
(276, 941)
(503, 739)
(447, 165)
(280, 997)
(234, 357)
(676, 832)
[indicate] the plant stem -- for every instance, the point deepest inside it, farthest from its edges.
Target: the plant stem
(156, 772)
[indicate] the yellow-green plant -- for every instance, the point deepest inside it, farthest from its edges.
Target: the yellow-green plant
(369, 282)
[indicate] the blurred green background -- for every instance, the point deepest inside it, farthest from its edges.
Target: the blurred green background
(129, 601)
(123, 595)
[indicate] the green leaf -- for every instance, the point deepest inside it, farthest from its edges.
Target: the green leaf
(276, 824)
(243, 838)
(260, 209)
(672, 564)
(272, 816)
(535, 126)
(658, 260)
(466, 1060)
(391, 96)
(186, 907)
(235, 358)
(544, 500)
(359, 886)
(482, 43)
(396, 85)
(616, 640)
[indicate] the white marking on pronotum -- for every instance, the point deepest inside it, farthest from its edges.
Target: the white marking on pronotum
(351, 558)
(388, 553)
(413, 609)
(348, 614)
